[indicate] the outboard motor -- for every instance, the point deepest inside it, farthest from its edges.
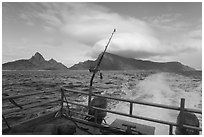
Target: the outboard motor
(100, 103)
(187, 119)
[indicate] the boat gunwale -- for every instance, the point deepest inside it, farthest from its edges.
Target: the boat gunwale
(139, 117)
(119, 113)
(137, 102)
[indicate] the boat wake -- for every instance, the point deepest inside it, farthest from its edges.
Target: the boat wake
(161, 88)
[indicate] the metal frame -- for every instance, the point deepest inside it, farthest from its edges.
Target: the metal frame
(181, 108)
(171, 124)
(24, 108)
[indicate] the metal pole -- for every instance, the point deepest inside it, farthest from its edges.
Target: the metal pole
(182, 107)
(96, 69)
(170, 129)
(62, 100)
(131, 106)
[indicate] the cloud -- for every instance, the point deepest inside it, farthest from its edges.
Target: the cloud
(168, 22)
(92, 25)
(101, 25)
(163, 18)
(130, 44)
(27, 19)
(53, 42)
(195, 34)
(87, 23)
(136, 45)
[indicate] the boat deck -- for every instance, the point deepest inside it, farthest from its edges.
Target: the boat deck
(29, 127)
(60, 120)
(47, 122)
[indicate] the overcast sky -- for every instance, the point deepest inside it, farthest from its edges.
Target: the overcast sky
(74, 32)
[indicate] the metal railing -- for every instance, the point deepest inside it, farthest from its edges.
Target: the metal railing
(131, 102)
(25, 106)
(181, 108)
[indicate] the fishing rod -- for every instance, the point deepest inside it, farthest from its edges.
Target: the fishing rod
(96, 69)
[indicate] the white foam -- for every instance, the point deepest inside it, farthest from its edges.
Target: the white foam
(157, 89)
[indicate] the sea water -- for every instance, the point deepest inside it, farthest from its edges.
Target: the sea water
(161, 88)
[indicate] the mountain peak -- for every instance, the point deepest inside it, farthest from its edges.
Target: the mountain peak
(52, 61)
(37, 54)
(36, 62)
(37, 57)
